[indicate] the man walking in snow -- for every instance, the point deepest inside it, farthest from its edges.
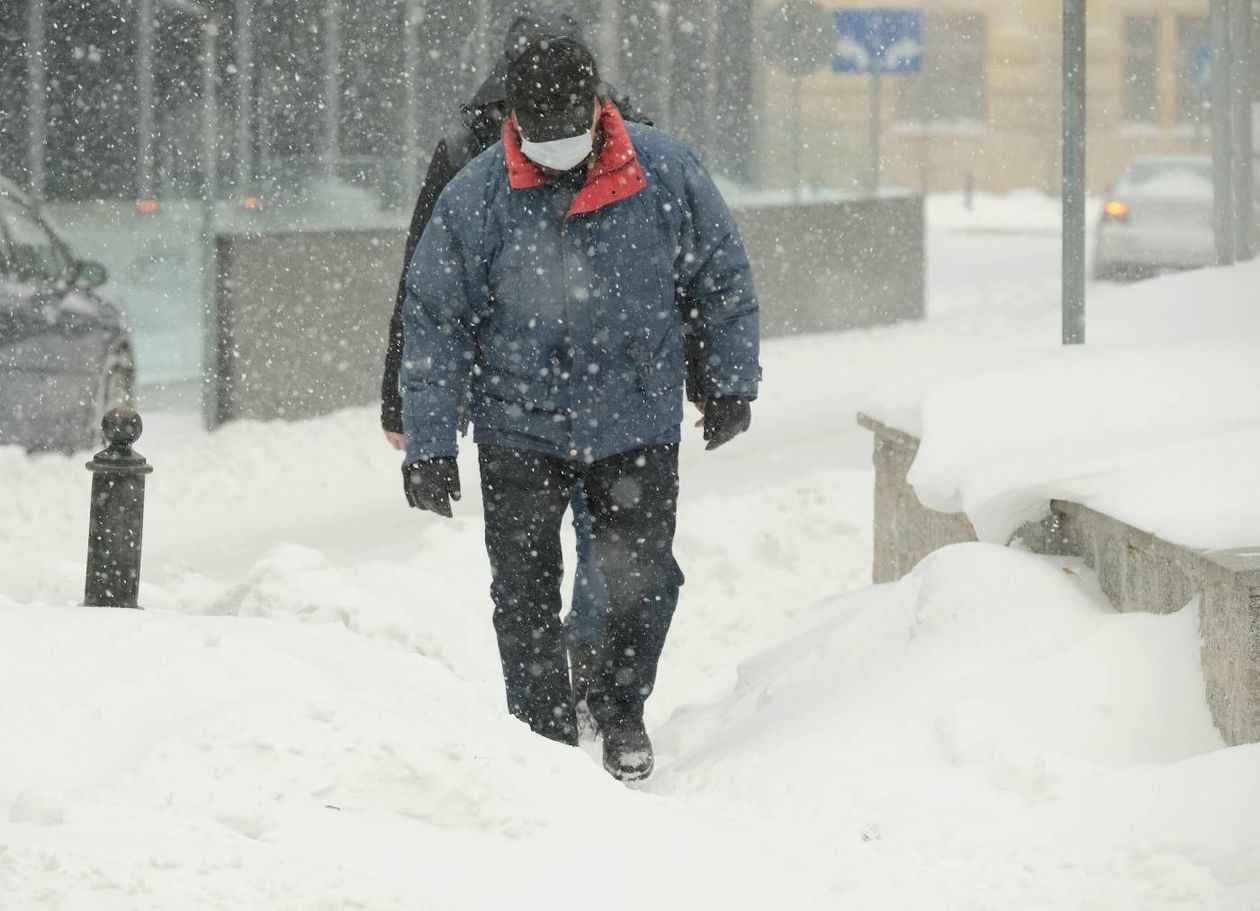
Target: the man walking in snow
(479, 127)
(548, 302)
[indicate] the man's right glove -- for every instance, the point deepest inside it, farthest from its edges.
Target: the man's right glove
(726, 418)
(431, 484)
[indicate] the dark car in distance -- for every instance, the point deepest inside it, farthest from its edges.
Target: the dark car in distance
(65, 354)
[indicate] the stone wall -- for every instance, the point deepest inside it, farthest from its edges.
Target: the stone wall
(905, 530)
(1137, 571)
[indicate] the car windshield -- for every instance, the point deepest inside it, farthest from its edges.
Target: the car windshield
(33, 254)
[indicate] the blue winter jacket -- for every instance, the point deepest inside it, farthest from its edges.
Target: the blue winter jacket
(563, 333)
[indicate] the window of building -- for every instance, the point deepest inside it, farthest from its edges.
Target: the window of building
(1193, 76)
(1141, 69)
(953, 86)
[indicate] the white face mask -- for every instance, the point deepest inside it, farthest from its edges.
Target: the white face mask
(559, 154)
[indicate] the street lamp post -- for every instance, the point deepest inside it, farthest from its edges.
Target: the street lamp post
(1242, 42)
(1222, 135)
(1074, 172)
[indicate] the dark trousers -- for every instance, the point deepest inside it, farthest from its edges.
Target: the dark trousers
(633, 502)
(584, 626)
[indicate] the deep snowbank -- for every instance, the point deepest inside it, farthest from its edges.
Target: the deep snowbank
(985, 731)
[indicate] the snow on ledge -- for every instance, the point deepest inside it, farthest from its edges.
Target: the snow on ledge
(1155, 422)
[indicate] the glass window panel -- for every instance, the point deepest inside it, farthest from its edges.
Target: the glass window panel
(1193, 87)
(1141, 69)
(953, 87)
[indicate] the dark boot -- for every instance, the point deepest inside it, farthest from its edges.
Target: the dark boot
(627, 751)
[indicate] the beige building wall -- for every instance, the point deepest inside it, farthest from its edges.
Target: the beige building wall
(1014, 143)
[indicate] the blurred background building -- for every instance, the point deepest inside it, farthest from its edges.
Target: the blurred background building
(359, 90)
(987, 106)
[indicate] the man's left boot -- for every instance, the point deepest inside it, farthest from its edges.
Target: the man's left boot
(627, 751)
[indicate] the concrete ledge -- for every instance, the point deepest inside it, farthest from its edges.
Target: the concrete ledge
(905, 530)
(297, 320)
(1137, 570)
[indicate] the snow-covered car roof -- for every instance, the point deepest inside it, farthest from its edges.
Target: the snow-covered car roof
(1171, 159)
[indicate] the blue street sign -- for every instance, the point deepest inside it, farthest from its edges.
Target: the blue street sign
(1203, 69)
(883, 41)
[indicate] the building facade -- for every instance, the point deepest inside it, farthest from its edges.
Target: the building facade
(986, 109)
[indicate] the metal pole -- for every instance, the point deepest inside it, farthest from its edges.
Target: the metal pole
(1243, 40)
(210, 189)
(332, 87)
(243, 26)
(1222, 135)
(610, 41)
(144, 89)
(794, 137)
(877, 116)
(37, 98)
(412, 15)
(210, 110)
(265, 106)
(484, 40)
(665, 72)
(713, 122)
(1073, 172)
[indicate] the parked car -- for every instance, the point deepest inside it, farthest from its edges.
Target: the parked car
(1157, 216)
(65, 354)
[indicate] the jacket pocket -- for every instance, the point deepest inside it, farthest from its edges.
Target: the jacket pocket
(511, 389)
(658, 363)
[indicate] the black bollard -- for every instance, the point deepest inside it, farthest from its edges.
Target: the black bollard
(117, 520)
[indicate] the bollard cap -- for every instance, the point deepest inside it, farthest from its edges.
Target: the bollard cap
(121, 427)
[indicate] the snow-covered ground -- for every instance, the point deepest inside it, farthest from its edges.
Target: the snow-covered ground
(309, 713)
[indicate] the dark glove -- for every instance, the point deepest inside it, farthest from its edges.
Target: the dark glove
(431, 484)
(391, 414)
(725, 419)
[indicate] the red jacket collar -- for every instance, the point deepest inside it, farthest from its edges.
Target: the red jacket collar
(615, 173)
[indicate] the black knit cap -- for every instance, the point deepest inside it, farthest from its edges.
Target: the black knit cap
(551, 87)
(536, 21)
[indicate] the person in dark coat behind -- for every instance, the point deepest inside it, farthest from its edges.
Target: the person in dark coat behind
(479, 127)
(549, 301)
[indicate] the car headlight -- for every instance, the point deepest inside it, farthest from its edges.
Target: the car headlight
(1115, 210)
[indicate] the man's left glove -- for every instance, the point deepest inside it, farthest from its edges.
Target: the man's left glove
(726, 418)
(431, 484)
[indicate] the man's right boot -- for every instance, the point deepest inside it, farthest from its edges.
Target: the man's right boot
(627, 751)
